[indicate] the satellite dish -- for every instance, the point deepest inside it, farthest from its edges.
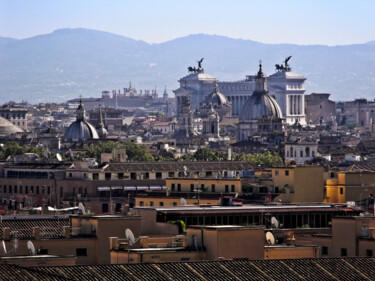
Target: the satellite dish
(361, 214)
(270, 239)
(274, 222)
(58, 156)
(81, 208)
(31, 248)
(183, 202)
(4, 248)
(130, 236)
(185, 171)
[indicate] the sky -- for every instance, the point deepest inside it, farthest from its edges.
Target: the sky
(304, 22)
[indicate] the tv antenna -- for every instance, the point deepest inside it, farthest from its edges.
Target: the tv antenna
(4, 248)
(31, 248)
(270, 238)
(131, 240)
(183, 202)
(81, 208)
(274, 222)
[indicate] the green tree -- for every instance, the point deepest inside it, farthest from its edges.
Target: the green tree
(13, 148)
(205, 153)
(266, 159)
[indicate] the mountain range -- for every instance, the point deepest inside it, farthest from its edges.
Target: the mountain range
(68, 63)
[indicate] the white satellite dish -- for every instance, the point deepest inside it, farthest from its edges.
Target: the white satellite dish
(274, 222)
(81, 208)
(270, 238)
(58, 156)
(130, 236)
(361, 214)
(183, 202)
(31, 248)
(4, 248)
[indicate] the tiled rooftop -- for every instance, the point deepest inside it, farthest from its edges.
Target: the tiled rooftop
(21, 227)
(291, 269)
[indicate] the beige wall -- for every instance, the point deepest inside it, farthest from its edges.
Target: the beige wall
(272, 252)
(229, 243)
(219, 184)
(299, 184)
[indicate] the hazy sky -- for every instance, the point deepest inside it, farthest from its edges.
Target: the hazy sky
(327, 22)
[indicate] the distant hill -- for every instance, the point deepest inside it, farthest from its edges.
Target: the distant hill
(72, 62)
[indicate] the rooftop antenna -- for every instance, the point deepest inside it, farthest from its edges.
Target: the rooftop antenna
(270, 238)
(131, 240)
(81, 208)
(274, 222)
(183, 202)
(31, 248)
(4, 248)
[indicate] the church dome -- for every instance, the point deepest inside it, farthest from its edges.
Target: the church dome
(7, 128)
(216, 98)
(81, 130)
(260, 104)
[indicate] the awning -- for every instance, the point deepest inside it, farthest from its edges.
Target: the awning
(130, 187)
(116, 187)
(142, 187)
(164, 187)
(104, 188)
(155, 187)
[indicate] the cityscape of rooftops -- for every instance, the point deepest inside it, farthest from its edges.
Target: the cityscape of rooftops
(169, 140)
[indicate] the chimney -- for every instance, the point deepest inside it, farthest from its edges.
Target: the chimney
(36, 232)
(66, 232)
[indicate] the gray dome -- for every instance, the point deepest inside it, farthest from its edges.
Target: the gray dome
(7, 128)
(260, 105)
(81, 130)
(216, 98)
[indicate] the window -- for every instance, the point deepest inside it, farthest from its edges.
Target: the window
(10, 189)
(95, 176)
(5, 189)
(301, 153)
(133, 176)
(208, 174)
(141, 203)
(70, 175)
(179, 187)
(276, 173)
(81, 252)
(158, 175)
(104, 207)
(174, 204)
(26, 189)
(192, 188)
(37, 190)
(120, 176)
(313, 153)
(146, 176)
(161, 204)
(151, 203)
(173, 186)
(341, 190)
(213, 187)
(233, 188)
(344, 252)
(0, 189)
(368, 253)
(287, 172)
(15, 189)
(20, 189)
(226, 188)
(107, 176)
(324, 251)
(170, 174)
